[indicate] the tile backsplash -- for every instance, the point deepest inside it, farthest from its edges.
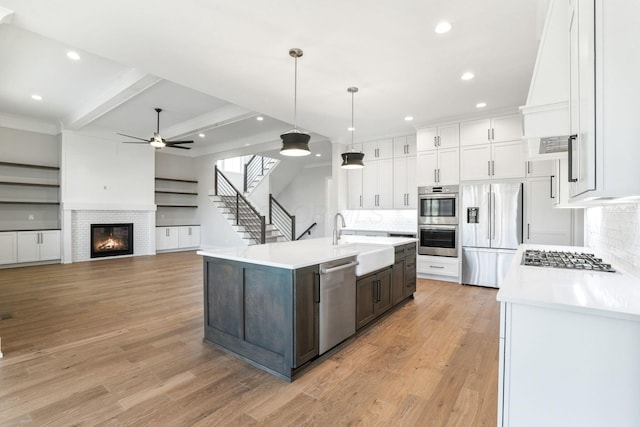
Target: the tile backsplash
(614, 232)
(394, 220)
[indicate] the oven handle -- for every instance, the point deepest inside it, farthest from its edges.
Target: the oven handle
(438, 227)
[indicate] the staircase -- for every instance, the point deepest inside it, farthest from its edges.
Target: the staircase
(255, 170)
(243, 217)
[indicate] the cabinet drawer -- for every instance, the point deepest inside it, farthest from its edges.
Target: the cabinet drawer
(438, 265)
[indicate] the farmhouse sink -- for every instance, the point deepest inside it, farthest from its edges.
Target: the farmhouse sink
(371, 257)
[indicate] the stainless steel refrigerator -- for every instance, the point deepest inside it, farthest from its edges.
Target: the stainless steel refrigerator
(491, 220)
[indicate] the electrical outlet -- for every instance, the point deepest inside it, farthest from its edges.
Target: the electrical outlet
(32, 217)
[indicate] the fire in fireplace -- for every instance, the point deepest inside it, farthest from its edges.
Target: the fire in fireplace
(111, 240)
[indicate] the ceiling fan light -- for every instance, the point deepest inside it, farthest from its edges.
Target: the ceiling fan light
(295, 144)
(352, 160)
(157, 141)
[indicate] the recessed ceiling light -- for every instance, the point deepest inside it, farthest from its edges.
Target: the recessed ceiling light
(408, 118)
(259, 118)
(481, 104)
(73, 55)
(351, 129)
(467, 76)
(36, 97)
(443, 27)
(201, 135)
(318, 155)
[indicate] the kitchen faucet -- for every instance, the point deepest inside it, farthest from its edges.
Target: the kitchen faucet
(336, 231)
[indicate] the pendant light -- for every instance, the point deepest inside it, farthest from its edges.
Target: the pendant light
(352, 159)
(295, 143)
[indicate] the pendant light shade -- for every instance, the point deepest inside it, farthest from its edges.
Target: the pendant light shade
(352, 159)
(295, 143)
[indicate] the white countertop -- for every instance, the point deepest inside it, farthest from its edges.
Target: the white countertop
(300, 253)
(613, 294)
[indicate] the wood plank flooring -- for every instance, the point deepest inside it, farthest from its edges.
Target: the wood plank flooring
(119, 342)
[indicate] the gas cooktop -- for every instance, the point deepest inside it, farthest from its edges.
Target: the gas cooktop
(567, 260)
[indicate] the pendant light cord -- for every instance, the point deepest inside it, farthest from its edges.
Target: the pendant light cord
(295, 94)
(353, 128)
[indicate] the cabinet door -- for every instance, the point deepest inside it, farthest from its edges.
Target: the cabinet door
(508, 160)
(411, 145)
(307, 314)
(400, 146)
(544, 224)
(28, 246)
(365, 299)
(410, 274)
(385, 149)
(188, 236)
(161, 239)
(384, 291)
(398, 281)
(385, 184)
(475, 132)
(427, 139)
(449, 166)
(427, 165)
(49, 245)
(540, 168)
(369, 184)
(506, 128)
(173, 237)
(354, 190)
(399, 183)
(8, 248)
(475, 162)
(412, 182)
(449, 136)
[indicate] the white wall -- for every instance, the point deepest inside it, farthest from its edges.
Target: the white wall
(105, 173)
(305, 197)
(176, 167)
(614, 232)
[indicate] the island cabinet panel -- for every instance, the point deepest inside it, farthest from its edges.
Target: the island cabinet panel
(265, 315)
(403, 283)
(373, 296)
(307, 314)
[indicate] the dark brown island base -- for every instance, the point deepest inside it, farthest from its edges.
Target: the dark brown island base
(269, 316)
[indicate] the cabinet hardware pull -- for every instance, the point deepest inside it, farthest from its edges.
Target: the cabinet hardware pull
(436, 266)
(435, 175)
(339, 267)
(551, 186)
(493, 167)
(529, 166)
(361, 200)
(493, 134)
(528, 231)
(489, 167)
(438, 175)
(435, 141)
(570, 147)
(489, 134)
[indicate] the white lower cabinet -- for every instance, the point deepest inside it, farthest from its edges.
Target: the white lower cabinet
(562, 367)
(177, 237)
(438, 265)
(33, 246)
(8, 247)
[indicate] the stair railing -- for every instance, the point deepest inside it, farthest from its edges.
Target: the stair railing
(245, 214)
(308, 230)
(253, 169)
(281, 219)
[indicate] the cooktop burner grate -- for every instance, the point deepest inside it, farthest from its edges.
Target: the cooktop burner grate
(567, 260)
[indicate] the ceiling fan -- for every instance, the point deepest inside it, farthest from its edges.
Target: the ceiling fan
(156, 140)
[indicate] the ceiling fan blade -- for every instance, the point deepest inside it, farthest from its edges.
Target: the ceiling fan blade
(135, 142)
(179, 146)
(134, 137)
(178, 142)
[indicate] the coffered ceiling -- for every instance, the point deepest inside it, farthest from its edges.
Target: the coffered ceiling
(215, 66)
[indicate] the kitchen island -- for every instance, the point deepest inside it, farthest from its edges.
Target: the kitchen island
(569, 346)
(262, 303)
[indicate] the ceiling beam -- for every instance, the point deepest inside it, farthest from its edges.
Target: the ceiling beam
(214, 119)
(124, 88)
(6, 15)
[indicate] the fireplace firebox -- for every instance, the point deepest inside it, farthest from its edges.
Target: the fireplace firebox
(111, 240)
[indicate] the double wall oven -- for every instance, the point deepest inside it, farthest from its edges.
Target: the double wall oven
(438, 220)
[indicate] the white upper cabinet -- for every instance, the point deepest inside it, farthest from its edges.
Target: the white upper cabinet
(475, 132)
(404, 182)
(378, 150)
(438, 167)
(494, 129)
(446, 136)
(377, 184)
(404, 146)
(604, 91)
(354, 192)
(500, 160)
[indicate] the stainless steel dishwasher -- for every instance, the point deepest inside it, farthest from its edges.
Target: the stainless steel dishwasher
(337, 302)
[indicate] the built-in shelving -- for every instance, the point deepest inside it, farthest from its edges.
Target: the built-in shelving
(177, 180)
(30, 196)
(189, 193)
(176, 206)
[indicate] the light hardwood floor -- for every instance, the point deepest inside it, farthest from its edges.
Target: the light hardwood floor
(119, 342)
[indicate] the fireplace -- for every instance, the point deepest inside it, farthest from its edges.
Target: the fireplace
(111, 240)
